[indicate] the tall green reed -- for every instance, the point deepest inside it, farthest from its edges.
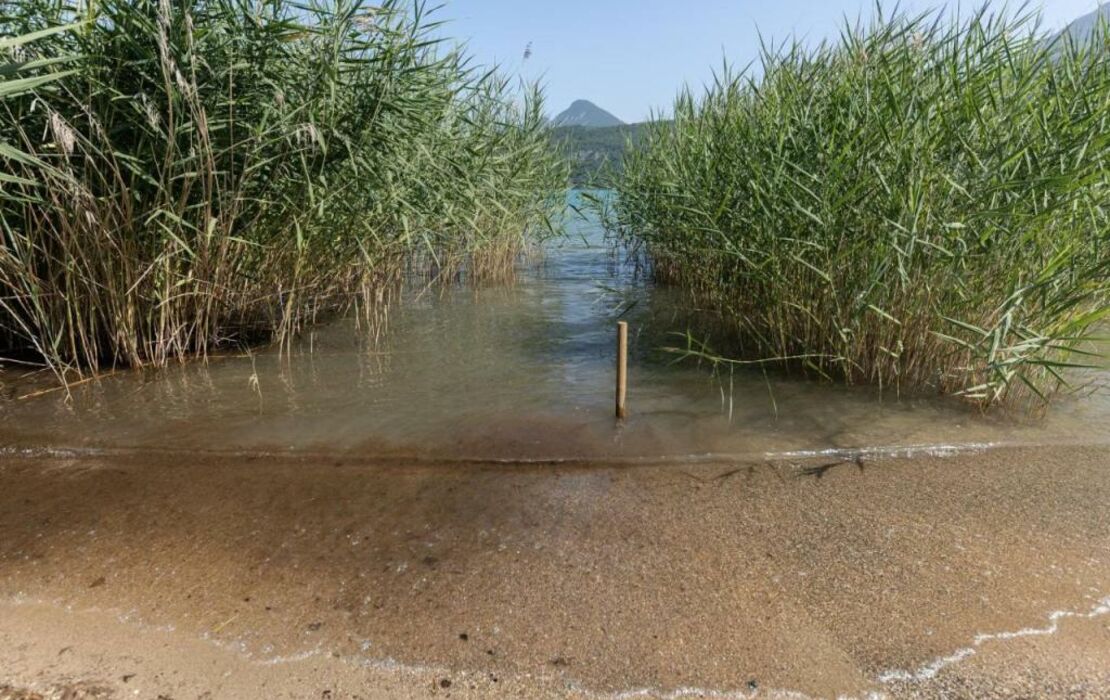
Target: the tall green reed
(216, 171)
(920, 205)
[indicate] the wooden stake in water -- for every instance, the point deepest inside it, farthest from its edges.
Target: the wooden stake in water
(622, 368)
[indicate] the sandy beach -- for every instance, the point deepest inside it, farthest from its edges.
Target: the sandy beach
(174, 576)
(375, 350)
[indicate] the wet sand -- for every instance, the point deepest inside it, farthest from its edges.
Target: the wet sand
(979, 575)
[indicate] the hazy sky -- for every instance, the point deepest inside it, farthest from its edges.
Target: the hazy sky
(630, 56)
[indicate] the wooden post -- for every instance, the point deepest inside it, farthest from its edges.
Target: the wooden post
(622, 368)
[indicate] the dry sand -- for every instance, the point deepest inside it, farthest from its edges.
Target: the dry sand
(981, 575)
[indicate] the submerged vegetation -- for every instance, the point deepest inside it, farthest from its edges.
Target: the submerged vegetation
(919, 205)
(178, 176)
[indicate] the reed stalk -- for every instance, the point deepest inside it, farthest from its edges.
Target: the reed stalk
(919, 204)
(195, 174)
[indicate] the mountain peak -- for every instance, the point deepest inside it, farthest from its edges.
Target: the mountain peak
(585, 113)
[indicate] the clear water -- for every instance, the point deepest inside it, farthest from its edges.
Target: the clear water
(511, 373)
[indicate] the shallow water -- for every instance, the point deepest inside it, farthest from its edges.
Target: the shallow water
(516, 373)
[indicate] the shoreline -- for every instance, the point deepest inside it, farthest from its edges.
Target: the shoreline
(219, 575)
(585, 461)
(101, 653)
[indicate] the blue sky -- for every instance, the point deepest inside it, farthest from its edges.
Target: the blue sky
(629, 56)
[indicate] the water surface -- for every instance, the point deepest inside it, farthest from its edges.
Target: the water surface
(520, 372)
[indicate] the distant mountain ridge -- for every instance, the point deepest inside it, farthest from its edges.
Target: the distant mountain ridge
(1082, 28)
(587, 114)
(595, 151)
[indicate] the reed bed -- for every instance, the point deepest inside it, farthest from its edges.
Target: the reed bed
(180, 176)
(920, 204)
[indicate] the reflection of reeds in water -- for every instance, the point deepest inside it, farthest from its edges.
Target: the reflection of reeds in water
(919, 206)
(213, 176)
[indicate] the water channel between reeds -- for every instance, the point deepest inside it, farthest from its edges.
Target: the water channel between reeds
(520, 372)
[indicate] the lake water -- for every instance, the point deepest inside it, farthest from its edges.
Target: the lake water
(520, 373)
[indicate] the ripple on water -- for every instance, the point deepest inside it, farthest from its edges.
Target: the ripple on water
(514, 373)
